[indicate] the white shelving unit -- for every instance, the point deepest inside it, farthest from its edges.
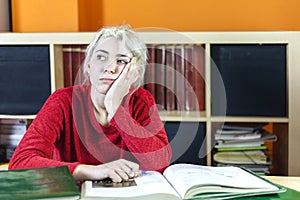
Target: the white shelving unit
(290, 124)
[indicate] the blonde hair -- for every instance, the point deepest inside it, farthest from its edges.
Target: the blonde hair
(131, 40)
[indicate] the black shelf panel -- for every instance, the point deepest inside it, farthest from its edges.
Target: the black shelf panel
(187, 140)
(254, 77)
(25, 78)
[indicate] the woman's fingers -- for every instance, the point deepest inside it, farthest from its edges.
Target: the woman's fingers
(121, 170)
(130, 72)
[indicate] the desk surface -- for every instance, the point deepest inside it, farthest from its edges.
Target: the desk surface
(287, 181)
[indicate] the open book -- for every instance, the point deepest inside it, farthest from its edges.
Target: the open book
(184, 181)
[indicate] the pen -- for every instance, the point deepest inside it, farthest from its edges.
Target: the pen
(140, 173)
(143, 172)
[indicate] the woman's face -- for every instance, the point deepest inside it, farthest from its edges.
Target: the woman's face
(107, 62)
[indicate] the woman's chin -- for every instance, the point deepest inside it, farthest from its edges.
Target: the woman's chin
(101, 89)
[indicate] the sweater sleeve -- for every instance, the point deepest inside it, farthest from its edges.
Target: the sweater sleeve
(143, 132)
(37, 147)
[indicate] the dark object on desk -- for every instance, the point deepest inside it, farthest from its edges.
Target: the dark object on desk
(109, 183)
(38, 183)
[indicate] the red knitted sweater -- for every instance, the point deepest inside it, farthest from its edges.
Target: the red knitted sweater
(66, 132)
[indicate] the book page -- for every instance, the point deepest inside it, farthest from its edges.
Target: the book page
(152, 183)
(185, 176)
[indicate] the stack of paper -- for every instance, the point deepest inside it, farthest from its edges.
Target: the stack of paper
(244, 147)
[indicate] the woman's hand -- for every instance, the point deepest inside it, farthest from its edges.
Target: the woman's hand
(120, 87)
(117, 171)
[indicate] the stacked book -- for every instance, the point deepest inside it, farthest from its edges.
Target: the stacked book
(244, 147)
(11, 133)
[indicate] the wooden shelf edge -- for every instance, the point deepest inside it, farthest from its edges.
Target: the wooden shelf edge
(192, 116)
(250, 119)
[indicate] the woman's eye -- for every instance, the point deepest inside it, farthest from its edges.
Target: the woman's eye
(122, 62)
(101, 57)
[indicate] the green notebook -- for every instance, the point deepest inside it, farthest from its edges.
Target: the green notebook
(38, 183)
(263, 147)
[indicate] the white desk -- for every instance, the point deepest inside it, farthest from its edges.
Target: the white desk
(292, 182)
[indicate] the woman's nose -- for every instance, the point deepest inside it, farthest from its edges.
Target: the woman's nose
(111, 67)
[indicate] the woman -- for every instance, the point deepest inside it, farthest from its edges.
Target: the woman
(105, 128)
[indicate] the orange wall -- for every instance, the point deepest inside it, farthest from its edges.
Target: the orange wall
(205, 15)
(44, 15)
(190, 15)
(90, 15)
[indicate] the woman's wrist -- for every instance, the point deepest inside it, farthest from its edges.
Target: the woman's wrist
(80, 172)
(89, 172)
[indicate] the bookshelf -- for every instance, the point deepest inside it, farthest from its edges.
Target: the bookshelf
(286, 160)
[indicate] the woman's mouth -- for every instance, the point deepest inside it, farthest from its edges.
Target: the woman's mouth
(107, 80)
